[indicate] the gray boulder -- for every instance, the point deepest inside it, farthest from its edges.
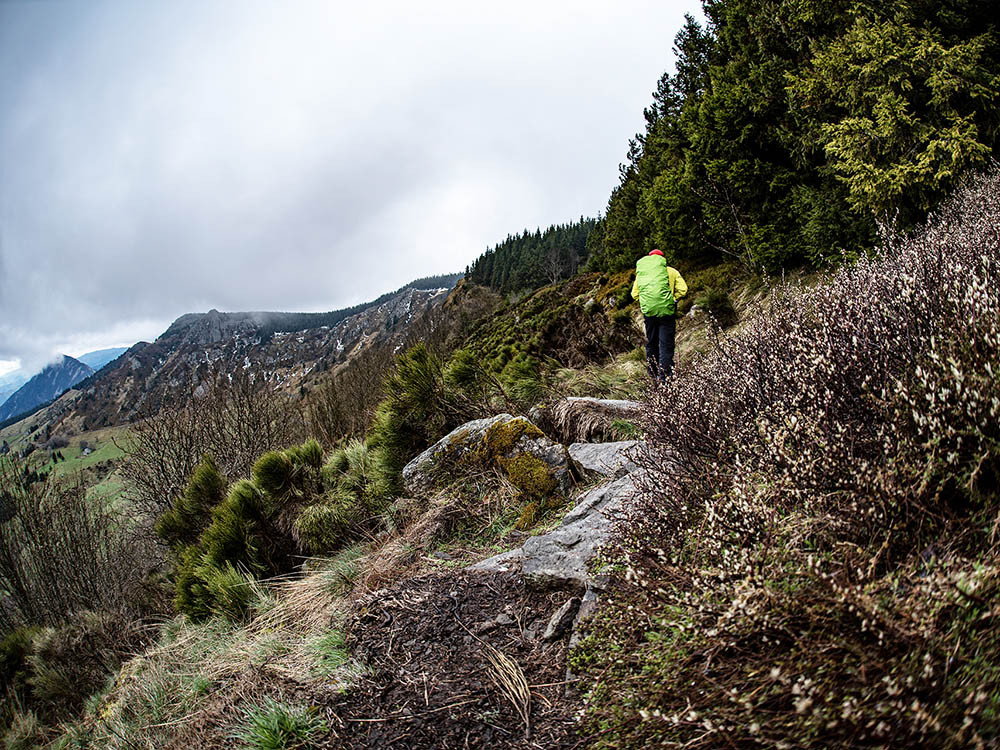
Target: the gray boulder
(610, 459)
(562, 619)
(561, 556)
(505, 562)
(498, 438)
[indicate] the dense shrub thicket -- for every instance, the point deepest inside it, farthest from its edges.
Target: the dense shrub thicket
(73, 596)
(815, 558)
(220, 537)
(62, 551)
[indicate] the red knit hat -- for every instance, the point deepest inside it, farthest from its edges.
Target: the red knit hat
(656, 252)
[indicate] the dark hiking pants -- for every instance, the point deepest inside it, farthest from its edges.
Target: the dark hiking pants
(660, 346)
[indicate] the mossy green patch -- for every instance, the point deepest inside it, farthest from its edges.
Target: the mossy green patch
(529, 516)
(501, 438)
(530, 474)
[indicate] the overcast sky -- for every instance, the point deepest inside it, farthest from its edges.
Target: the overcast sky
(158, 158)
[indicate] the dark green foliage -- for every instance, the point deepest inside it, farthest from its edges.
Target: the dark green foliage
(720, 306)
(235, 534)
(250, 534)
(308, 454)
(789, 127)
(15, 647)
(272, 472)
(192, 511)
(417, 409)
(532, 259)
(521, 379)
(463, 371)
(360, 482)
(325, 526)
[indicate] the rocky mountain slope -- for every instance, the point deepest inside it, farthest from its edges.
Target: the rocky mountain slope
(197, 348)
(45, 386)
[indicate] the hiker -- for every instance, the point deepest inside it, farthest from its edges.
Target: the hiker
(658, 287)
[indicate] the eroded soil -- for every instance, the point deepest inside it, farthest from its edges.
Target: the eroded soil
(427, 679)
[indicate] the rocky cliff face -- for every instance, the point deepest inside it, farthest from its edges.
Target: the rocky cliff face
(198, 347)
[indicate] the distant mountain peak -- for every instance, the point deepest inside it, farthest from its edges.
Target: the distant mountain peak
(47, 385)
(290, 349)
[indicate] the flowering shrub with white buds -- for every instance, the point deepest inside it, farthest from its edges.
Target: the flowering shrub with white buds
(814, 559)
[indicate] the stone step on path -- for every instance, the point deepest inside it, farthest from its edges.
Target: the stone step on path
(610, 459)
(561, 556)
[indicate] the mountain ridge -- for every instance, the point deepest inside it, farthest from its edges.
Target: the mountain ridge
(48, 384)
(196, 347)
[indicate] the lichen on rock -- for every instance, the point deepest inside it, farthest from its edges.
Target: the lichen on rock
(534, 464)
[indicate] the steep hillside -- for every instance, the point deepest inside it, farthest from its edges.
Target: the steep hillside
(288, 348)
(45, 386)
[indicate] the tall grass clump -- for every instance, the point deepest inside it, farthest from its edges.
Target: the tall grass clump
(188, 675)
(271, 725)
(814, 556)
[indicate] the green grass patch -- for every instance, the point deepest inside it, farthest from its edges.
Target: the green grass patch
(270, 725)
(330, 652)
(101, 448)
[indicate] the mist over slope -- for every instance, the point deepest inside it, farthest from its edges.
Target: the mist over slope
(288, 349)
(45, 386)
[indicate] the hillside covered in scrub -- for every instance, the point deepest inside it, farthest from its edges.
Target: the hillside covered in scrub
(465, 517)
(806, 556)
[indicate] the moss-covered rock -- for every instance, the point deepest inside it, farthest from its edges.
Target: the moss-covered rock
(532, 462)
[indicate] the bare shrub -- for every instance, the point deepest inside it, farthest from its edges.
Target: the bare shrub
(235, 422)
(343, 406)
(813, 558)
(62, 552)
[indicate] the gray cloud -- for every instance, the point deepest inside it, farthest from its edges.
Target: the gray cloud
(161, 158)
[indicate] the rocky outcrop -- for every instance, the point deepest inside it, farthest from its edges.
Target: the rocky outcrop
(561, 556)
(609, 459)
(514, 444)
(562, 619)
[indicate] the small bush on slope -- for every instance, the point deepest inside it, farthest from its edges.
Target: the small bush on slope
(814, 559)
(270, 725)
(220, 539)
(360, 484)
